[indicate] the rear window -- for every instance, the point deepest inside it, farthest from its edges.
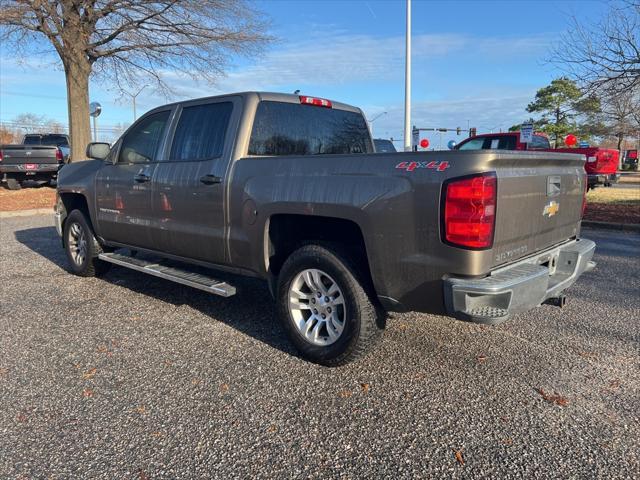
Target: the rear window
(504, 142)
(540, 141)
(292, 129)
(51, 140)
(31, 140)
(384, 146)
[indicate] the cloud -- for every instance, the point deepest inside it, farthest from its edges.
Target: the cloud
(338, 58)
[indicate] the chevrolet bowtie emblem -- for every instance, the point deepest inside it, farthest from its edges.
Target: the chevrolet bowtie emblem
(551, 209)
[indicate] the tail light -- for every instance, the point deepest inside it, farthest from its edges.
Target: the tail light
(59, 156)
(318, 102)
(469, 211)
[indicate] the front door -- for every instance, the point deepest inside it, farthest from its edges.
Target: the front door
(124, 186)
(189, 185)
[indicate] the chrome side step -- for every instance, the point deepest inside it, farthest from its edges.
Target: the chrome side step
(178, 275)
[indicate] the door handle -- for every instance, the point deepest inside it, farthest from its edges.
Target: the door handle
(141, 178)
(210, 179)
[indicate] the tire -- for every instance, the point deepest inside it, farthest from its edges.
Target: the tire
(81, 247)
(13, 184)
(357, 322)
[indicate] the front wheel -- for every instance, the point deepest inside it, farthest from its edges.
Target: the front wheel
(325, 307)
(81, 247)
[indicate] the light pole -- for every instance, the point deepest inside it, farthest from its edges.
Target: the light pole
(376, 117)
(133, 99)
(407, 83)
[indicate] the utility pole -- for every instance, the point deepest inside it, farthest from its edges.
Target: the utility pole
(407, 83)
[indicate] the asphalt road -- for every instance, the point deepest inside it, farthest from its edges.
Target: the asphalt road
(134, 377)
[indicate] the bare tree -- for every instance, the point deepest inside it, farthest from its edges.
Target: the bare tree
(124, 42)
(621, 113)
(603, 57)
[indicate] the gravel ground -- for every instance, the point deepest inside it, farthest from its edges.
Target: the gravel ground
(131, 376)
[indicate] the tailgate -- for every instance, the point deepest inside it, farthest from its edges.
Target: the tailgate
(539, 202)
(21, 154)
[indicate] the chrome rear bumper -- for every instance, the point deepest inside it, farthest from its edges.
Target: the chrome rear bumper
(520, 286)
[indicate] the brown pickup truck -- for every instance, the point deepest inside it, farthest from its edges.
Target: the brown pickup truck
(288, 189)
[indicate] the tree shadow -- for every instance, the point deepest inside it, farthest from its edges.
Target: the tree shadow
(251, 311)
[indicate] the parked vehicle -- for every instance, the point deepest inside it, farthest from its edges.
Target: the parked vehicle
(19, 163)
(630, 160)
(285, 188)
(382, 145)
(51, 139)
(601, 163)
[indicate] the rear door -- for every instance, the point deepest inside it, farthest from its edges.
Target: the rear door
(123, 188)
(189, 185)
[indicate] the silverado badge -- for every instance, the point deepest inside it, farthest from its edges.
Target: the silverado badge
(551, 209)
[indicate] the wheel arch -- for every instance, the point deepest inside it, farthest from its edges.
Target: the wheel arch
(285, 233)
(75, 201)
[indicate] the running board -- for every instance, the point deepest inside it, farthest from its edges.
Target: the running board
(178, 275)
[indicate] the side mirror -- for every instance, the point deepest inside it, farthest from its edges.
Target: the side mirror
(98, 150)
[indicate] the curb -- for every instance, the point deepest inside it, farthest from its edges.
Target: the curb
(26, 213)
(627, 227)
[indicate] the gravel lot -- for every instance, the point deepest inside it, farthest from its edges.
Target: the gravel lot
(134, 377)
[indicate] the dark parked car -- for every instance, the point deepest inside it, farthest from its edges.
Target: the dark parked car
(383, 145)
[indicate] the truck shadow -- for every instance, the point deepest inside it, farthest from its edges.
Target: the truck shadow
(251, 311)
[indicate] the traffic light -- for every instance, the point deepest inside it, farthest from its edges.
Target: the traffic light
(472, 131)
(458, 131)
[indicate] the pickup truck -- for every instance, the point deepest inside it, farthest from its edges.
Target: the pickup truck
(21, 162)
(601, 163)
(288, 189)
(59, 140)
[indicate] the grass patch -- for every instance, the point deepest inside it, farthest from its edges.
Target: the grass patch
(615, 196)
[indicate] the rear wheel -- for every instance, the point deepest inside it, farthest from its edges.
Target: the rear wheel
(325, 308)
(81, 247)
(13, 184)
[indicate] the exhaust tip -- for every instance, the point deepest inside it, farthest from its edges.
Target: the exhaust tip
(559, 301)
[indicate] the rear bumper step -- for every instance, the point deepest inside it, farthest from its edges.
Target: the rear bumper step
(178, 275)
(521, 286)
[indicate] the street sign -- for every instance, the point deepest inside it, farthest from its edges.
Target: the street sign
(526, 133)
(584, 144)
(95, 109)
(415, 137)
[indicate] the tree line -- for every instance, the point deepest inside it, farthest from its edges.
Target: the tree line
(563, 107)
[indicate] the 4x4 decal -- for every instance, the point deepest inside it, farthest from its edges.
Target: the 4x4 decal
(411, 166)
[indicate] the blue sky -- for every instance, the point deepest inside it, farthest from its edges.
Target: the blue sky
(475, 61)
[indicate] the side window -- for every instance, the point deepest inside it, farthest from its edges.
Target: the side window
(507, 142)
(540, 142)
(200, 132)
(141, 143)
(113, 152)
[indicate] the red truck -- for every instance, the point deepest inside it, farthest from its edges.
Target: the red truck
(601, 164)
